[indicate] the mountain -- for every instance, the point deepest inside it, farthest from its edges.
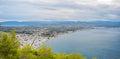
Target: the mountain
(62, 23)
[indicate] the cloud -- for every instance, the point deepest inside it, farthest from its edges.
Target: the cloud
(59, 10)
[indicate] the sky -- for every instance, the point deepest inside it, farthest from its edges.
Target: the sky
(59, 10)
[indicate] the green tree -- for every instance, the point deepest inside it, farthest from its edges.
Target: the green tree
(45, 52)
(27, 52)
(14, 41)
(75, 56)
(94, 58)
(9, 46)
(61, 56)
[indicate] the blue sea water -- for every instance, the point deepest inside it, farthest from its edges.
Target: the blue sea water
(103, 43)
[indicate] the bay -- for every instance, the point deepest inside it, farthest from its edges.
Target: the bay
(103, 43)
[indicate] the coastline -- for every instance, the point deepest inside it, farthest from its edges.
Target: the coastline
(58, 35)
(36, 40)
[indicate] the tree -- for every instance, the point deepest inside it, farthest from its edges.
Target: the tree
(27, 52)
(14, 41)
(45, 52)
(75, 56)
(61, 56)
(94, 58)
(9, 45)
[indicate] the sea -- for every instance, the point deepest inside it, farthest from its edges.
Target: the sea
(102, 43)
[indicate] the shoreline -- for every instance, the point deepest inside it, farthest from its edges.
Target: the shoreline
(36, 39)
(61, 34)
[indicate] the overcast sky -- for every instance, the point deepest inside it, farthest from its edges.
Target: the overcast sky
(59, 10)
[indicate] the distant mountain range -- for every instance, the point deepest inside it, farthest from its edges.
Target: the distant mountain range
(61, 23)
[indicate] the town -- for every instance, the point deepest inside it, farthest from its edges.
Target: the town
(38, 35)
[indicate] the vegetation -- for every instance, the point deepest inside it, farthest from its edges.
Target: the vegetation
(10, 49)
